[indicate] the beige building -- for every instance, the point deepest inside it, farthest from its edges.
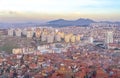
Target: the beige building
(30, 33)
(18, 32)
(10, 32)
(43, 37)
(42, 47)
(50, 38)
(24, 31)
(57, 38)
(109, 37)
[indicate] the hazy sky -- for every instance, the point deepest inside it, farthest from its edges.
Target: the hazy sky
(36, 10)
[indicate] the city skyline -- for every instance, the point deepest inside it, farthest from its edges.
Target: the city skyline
(44, 10)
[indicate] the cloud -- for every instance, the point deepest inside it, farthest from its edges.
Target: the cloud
(56, 6)
(9, 13)
(59, 8)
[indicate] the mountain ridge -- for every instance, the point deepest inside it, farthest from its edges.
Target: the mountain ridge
(78, 22)
(56, 23)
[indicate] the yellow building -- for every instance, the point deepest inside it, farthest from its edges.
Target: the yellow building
(17, 51)
(30, 49)
(73, 39)
(62, 34)
(38, 32)
(67, 38)
(78, 37)
(71, 34)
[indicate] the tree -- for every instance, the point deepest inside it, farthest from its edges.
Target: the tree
(7, 47)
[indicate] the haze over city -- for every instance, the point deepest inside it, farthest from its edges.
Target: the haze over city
(59, 39)
(44, 10)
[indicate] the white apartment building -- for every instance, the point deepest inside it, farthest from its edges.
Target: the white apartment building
(109, 37)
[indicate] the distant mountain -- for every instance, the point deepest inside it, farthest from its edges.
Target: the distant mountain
(79, 22)
(54, 23)
(60, 22)
(117, 23)
(18, 25)
(83, 22)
